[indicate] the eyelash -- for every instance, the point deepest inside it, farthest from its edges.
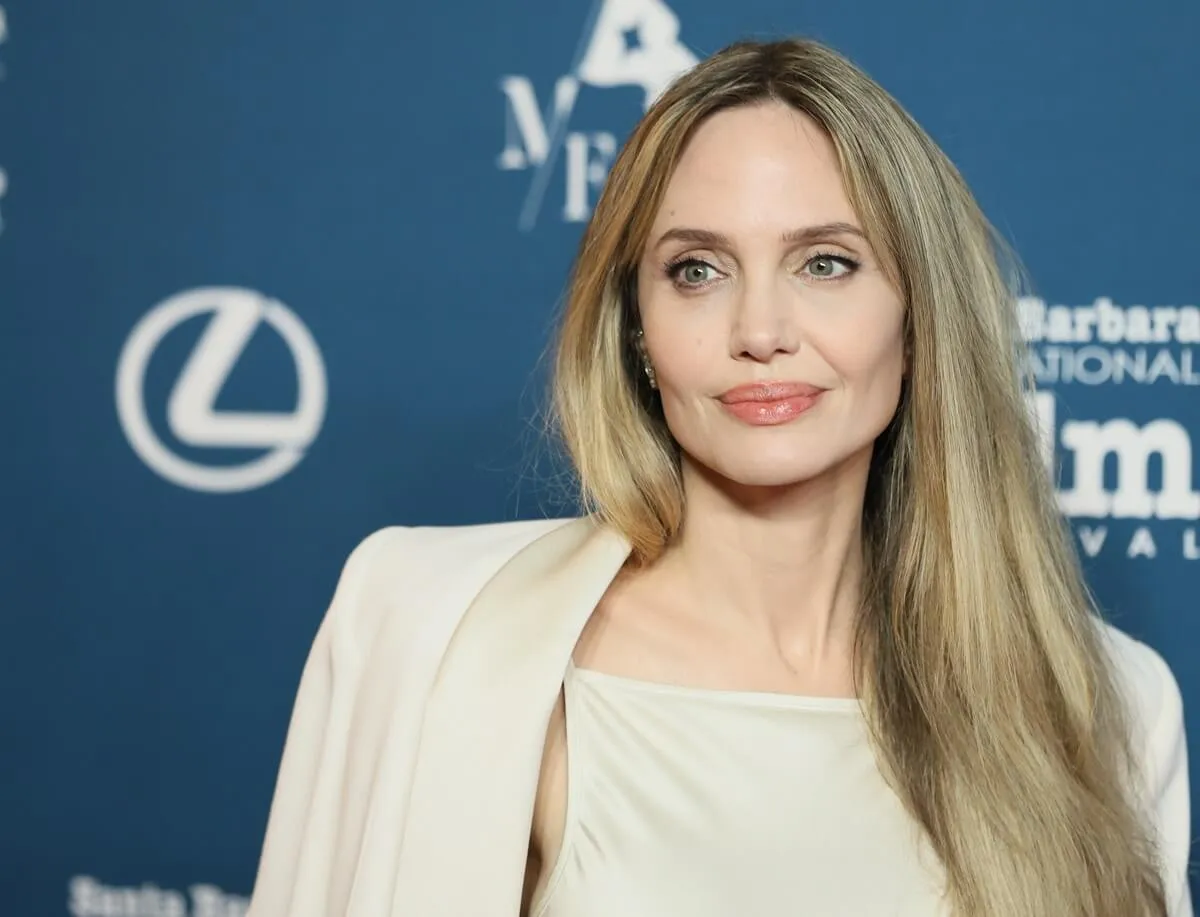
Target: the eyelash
(672, 268)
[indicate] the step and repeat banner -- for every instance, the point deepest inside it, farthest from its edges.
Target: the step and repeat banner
(274, 275)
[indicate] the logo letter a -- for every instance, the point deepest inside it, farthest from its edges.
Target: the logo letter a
(656, 59)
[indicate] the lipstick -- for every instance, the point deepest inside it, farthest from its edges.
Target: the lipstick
(770, 403)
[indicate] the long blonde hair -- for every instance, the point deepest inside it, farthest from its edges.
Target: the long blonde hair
(992, 703)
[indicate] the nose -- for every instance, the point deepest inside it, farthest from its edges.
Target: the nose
(765, 322)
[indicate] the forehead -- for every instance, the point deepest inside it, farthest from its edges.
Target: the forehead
(767, 167)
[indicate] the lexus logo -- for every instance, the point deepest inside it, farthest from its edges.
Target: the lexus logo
(191, 415)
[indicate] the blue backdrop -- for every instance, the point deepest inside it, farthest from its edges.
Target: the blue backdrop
(273, 275)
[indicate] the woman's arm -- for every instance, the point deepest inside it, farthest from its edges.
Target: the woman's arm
(298, 852)
(1167, 772)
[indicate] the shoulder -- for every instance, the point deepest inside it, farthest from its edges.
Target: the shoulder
(1150, 688)
(400, 569)
(1159, 746)
(391, 553)
(1158, 740)
(1154, 700)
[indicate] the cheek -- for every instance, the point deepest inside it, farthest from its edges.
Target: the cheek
(685, 359)
(685, 387)
(689, 376)
(860, 354)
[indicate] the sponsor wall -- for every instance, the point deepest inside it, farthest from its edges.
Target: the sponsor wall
(275, 275)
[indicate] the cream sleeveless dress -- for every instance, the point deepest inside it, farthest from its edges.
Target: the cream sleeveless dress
(689, 802)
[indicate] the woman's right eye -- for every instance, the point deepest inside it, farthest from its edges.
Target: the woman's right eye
(691, 272)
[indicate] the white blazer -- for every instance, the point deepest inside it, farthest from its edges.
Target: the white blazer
(408, 776)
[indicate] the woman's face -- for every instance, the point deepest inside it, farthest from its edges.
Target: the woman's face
(756, 271)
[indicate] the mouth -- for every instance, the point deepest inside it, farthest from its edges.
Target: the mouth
(766, 392)
(770, 403)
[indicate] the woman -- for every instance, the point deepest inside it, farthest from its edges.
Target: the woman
(821, 646)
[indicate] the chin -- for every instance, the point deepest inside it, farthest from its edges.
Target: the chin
(771, 477)
(769, 471)
(783, 467)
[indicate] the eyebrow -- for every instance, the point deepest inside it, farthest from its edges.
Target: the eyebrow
(801, 236)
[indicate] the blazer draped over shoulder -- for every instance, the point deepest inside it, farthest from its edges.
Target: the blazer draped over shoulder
(408, 776)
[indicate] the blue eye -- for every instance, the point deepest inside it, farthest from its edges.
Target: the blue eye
(690, 272)
(826, 266)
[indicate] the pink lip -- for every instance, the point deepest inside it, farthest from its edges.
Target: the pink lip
(770, 403)
(770, 391)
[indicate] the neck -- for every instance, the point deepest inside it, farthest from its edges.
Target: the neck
(777, 567)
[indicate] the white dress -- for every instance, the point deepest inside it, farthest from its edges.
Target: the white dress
(688, 802)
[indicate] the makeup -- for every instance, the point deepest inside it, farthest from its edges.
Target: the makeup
(770, 403)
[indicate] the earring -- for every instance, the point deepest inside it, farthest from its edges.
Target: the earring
(639, 340)
(649, 370)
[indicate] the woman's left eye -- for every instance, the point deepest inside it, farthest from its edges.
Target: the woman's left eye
(830, 267)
